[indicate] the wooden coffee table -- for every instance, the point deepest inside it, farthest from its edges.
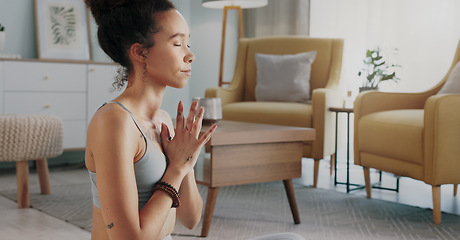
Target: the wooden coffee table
(243, 153)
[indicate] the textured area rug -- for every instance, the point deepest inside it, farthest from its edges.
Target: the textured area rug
(247, 211)
(71, 203)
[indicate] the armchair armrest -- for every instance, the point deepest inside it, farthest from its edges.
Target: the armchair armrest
(227, 95)
(323, 120)
(211, 92)
(442, 141)
(374, 101)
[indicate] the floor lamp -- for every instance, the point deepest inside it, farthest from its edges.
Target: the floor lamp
(237, 5)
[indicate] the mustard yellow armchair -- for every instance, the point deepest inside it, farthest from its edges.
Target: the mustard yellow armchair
(239, 101)
(414, 135)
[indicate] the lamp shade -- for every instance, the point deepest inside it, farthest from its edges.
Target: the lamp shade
(219, 4)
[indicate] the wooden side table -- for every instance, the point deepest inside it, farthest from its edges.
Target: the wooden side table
(242, 153)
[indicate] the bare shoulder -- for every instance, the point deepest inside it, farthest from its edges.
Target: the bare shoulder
(111, 135)
(109, 119)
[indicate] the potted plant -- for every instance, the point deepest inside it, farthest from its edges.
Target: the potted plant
(376, 70)
(2, 36)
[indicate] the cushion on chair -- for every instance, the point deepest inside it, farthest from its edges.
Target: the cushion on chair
(321, 67)
(284, 78)
(278, 113)
(452, 84)
(398, 130)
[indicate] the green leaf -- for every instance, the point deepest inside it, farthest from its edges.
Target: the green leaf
(369, 53)
(388, 76)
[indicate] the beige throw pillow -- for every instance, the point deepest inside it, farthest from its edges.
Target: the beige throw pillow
(284, 78)
(452, 84)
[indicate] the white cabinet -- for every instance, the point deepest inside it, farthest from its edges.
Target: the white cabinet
(70, 106)
(61, 89)
(100, 89)
(41, 76)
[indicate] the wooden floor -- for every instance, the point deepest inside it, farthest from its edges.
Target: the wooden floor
(22, 224)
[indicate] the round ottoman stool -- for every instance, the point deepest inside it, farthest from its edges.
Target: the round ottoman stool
(25, 137)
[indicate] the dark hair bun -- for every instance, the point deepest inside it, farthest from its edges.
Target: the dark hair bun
(100, 8)
(122, 23)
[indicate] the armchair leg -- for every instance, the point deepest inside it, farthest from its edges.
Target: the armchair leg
(455, 189)
(367, 181)
(436, 204)
(315, 173)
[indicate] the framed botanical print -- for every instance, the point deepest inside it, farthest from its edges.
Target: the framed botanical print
(62, 29)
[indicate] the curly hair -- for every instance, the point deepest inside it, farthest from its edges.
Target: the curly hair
(125, 22)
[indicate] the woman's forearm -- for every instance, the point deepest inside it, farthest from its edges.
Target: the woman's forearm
(189, 213)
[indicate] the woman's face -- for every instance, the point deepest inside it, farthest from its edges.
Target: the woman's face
(169, 60)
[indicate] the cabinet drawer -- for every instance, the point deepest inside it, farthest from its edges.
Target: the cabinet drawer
(68, 106)
(74, 134)
(36, 76)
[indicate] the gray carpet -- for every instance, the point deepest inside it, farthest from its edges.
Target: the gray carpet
(247, 211)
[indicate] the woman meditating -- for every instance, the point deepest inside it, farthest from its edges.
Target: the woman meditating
(140, 166)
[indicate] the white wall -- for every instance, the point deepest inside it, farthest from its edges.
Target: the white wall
(426, 32)
(18, 18)
(206, 30)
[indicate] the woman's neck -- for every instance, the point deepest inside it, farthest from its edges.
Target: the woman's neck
(143, 99)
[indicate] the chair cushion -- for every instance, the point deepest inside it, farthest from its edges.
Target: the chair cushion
(452, 84)
(394, 134)
(321, 69)
(278, 113)
(284, 78)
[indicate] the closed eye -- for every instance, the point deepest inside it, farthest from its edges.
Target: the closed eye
(180, 45)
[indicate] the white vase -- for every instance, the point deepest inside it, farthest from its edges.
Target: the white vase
(2, 40)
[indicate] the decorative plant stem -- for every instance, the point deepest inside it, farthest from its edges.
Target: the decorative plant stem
(377, 69)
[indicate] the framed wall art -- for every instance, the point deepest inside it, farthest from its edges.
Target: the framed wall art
(62, 29)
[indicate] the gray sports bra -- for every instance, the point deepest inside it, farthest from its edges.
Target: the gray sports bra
(148, 170)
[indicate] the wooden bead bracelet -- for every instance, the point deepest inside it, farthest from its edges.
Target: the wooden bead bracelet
(170, 190)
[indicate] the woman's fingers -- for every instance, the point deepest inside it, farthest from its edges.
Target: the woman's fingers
(198, 123)
(180, 116)
(208, 134)
(191, 116)
(165, 135)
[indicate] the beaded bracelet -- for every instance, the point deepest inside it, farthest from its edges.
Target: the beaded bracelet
(170, 190)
